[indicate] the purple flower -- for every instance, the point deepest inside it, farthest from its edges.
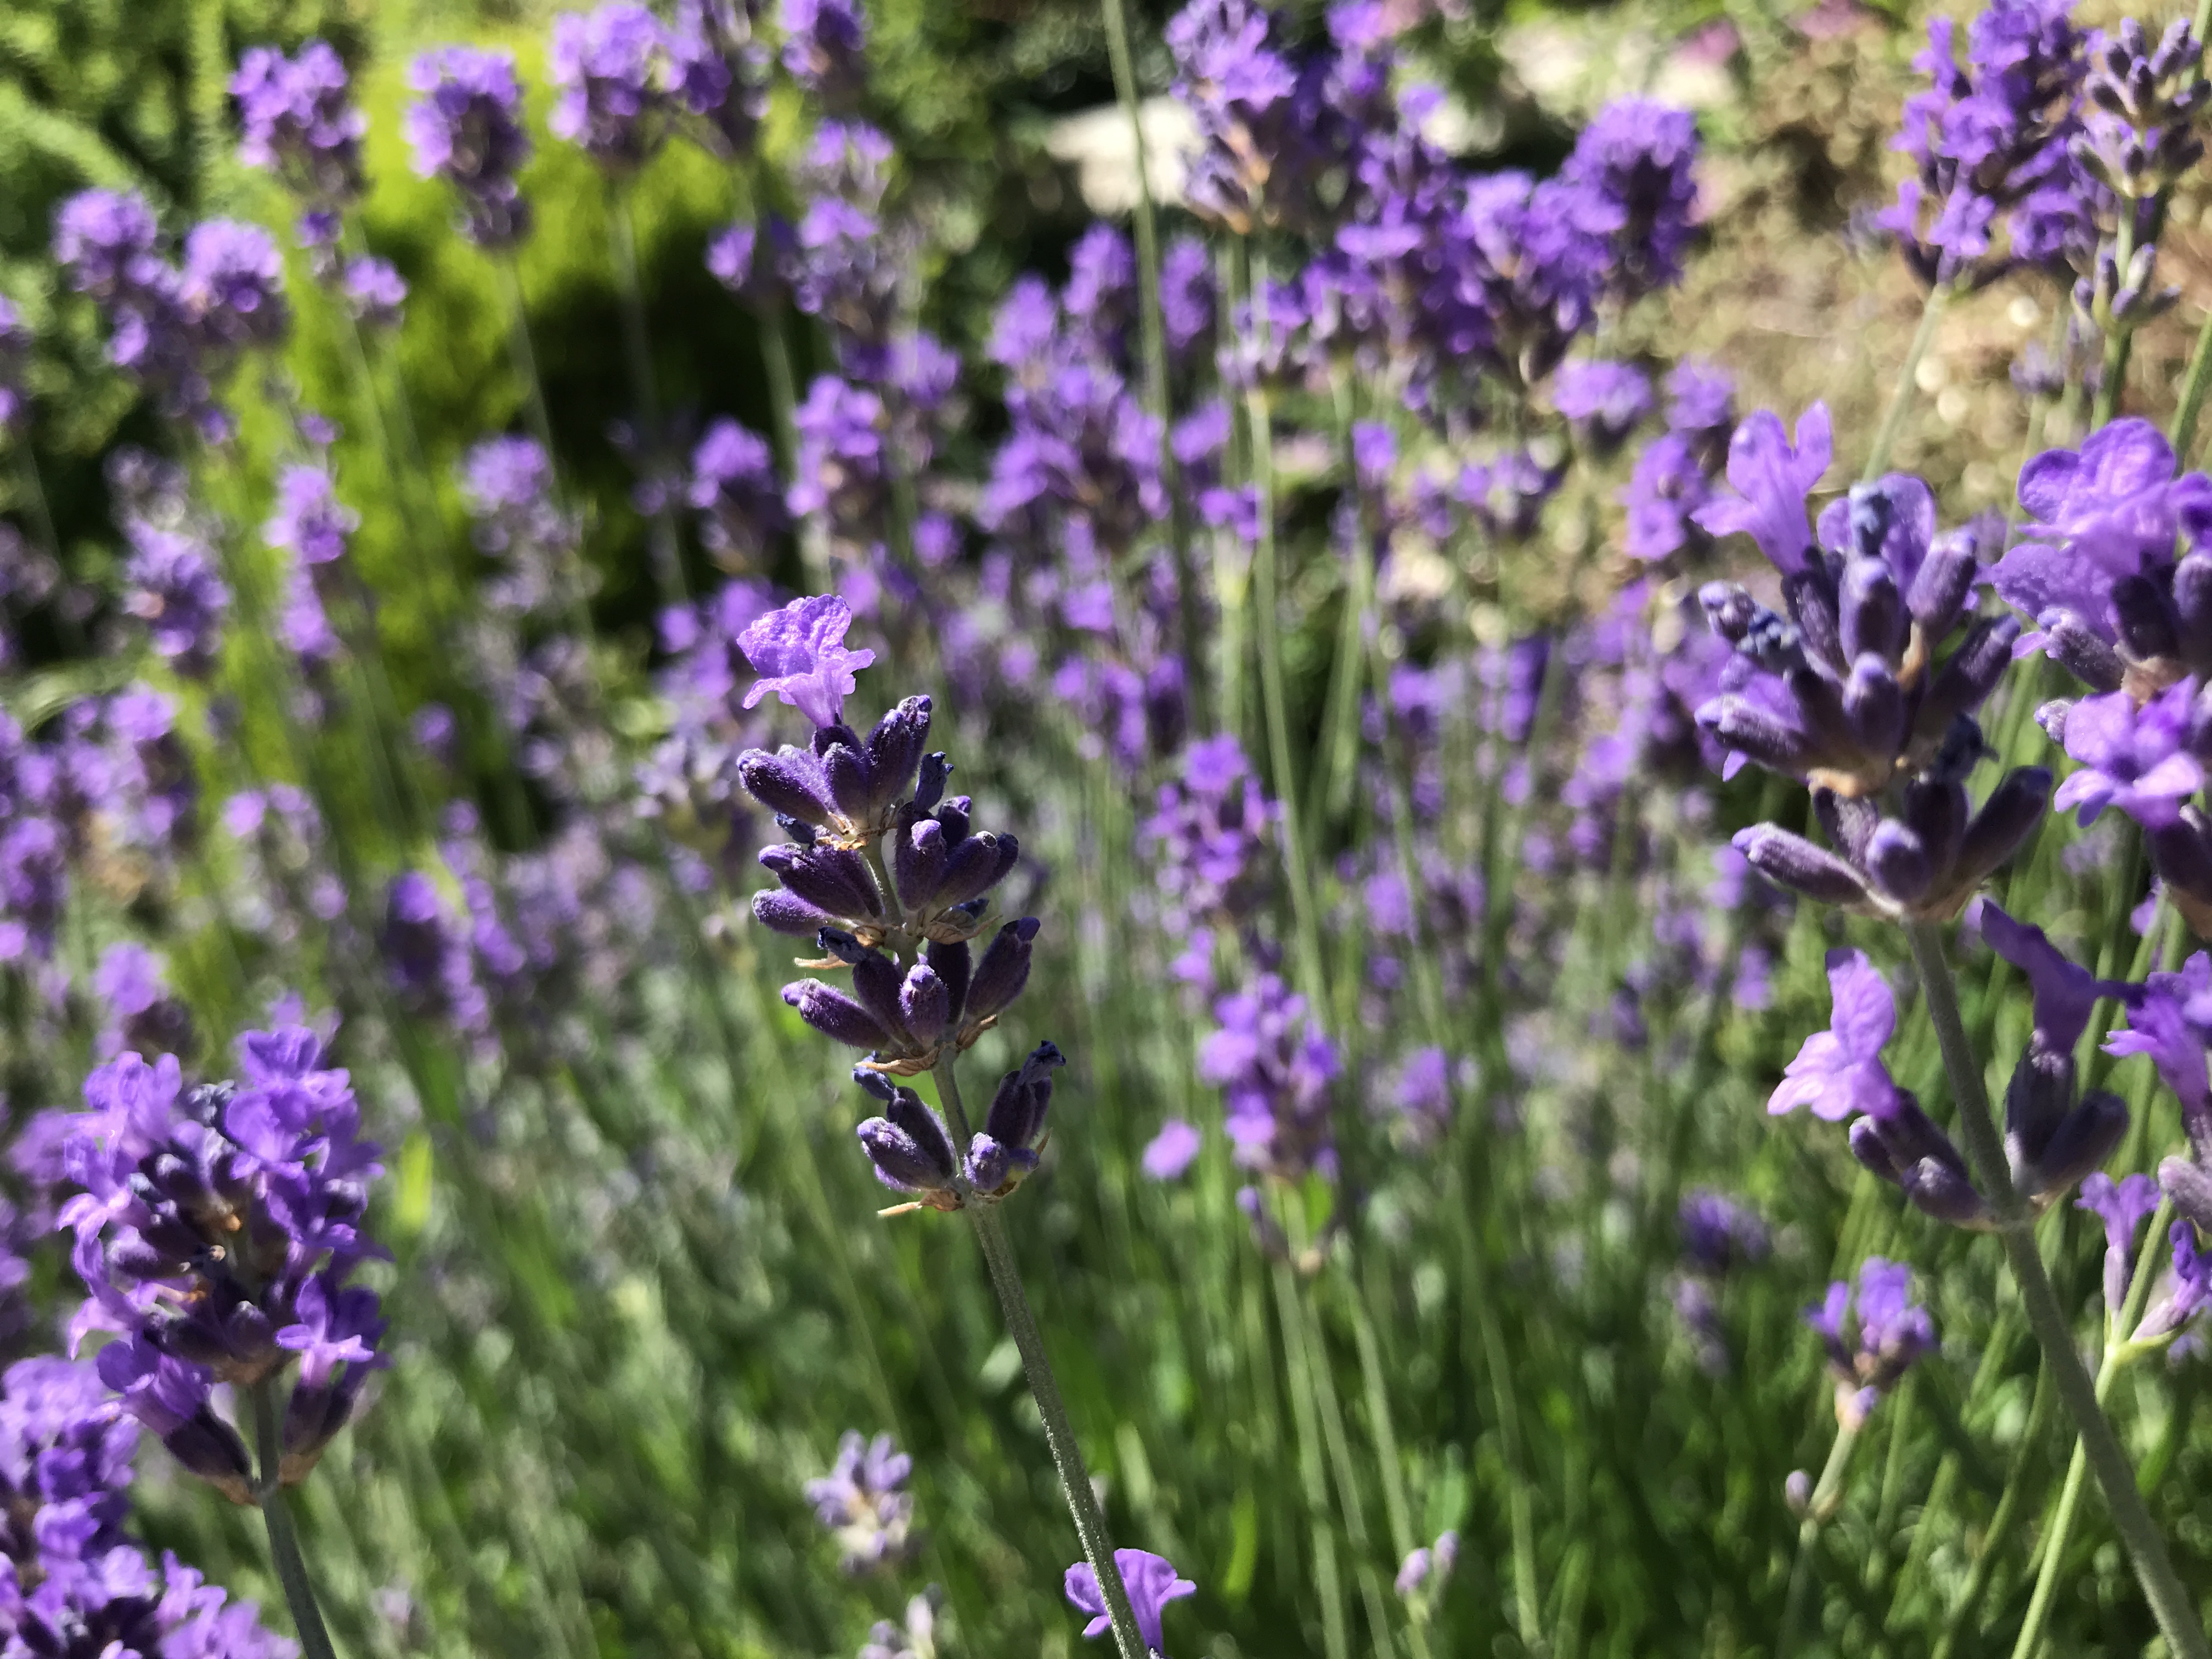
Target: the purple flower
(310, 522)
(1151, 1582)
(1771, 478)
(172, 585)
(2170, 1021)
(1634, 165)
(733, 486)
(15, 345)
(233, 282)
(1663, 496)
(2188, 1292)
(214, 1288)
(1839, 1071)
(863, 1503)
(826, 48)
(142, 1016)
(1207, 837)
(1719, 1233)
(2123, 1206)
(1172, 1151)
(612, 70)
(799, 654)
(1275, 1068)
(1872, 1344)
(2065, 992)
(466, 128)
(374, 291)
(106, 240)
(297, 122)
(2132, 758)
(1604, 400)
(1986, 138)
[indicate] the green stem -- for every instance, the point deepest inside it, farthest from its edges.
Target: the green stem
(1335, 1641)
(1802, 1570)
(283, 1542)
(1152, 334)
(1044, 1388)
(1385, 1431)
(2108, 1459)
(2012, 1507)
(2116, 1358)
(1900, 397)
(2117, 341)
(1323, 1376)
(524, 357)
(1266, 608)
(637, 348)
(2193, 387)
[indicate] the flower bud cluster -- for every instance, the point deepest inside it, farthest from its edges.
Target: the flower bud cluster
(217, 1229)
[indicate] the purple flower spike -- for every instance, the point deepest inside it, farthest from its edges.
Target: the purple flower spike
(297, 122)
(824, 47)
(1868, 1354)
(2132, 758)
(1152, 1583)
(799, 654)
(2123, 1206)
(466, 128)
(2191, 1292)
(1604, 400)
(1771, 476)
(1839, 1071)
(612, 68)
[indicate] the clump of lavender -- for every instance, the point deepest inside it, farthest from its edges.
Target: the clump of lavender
(217, 1229)
(143, 1015)
(72, 1580)
(1871, 1336)
(863, 1503)
(466, 128)
(1674, 476)
(826, 48)
(1208, 838)
(612, 70)
(1275, 1066)
(1848, 693)
(902, 915)
(174, 330)
(506, 484)
(733, 489)
(1987, 137)
(17, 342)
(172, 582)
(297, 122)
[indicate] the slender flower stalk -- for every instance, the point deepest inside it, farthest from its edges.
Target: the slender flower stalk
(1037, 1365)
(1908, 383)
(1827, 1492)
(637, 352)
(283, 1541)
(2100, 1448)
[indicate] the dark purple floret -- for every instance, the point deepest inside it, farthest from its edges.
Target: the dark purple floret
(826, 48)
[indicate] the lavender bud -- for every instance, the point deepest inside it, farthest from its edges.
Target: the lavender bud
(835, 1015)
(1791, 861)
(1004, 970)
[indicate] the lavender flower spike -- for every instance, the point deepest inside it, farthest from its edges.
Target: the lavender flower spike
(1869, 1354)
(799, 654)
(466, 128)
(1152, 1583)
(864, 1502)
(1839, 1071)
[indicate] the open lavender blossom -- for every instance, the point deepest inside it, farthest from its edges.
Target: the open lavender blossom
(800, 654)
(1152, 1583)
